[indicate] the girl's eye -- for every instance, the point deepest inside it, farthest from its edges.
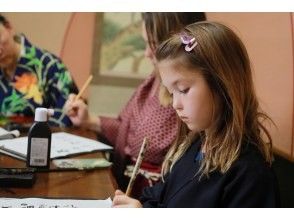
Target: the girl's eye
(184, 91)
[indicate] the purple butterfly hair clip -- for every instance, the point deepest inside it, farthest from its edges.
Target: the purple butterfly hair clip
(189, 41)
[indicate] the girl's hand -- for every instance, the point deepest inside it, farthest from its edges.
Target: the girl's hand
(76, 110)
(120, 200)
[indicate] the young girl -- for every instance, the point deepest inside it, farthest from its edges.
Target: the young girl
(219, 158)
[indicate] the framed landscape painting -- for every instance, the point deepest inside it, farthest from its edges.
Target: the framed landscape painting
(118, 55)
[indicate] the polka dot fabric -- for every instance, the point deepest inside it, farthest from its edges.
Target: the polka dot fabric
(143, 116)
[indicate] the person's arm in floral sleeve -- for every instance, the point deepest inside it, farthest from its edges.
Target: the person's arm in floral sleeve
(60, 85)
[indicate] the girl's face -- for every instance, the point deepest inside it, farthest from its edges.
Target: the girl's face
(149, 53)
(191, 96)
(6, 45)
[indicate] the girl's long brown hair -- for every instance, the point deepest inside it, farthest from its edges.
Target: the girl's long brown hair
(223, 60)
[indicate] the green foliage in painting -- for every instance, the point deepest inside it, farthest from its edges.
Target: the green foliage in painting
(136, 41)
(110, 29)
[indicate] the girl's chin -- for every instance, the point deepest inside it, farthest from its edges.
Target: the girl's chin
(194, 128)
(191, 127)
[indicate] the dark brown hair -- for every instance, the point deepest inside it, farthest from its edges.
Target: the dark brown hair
(3, 20)
(161, 25)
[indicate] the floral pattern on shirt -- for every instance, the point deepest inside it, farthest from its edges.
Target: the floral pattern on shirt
(40, 80)
(27, 84)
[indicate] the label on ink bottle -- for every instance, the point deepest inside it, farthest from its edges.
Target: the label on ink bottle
(39, 151)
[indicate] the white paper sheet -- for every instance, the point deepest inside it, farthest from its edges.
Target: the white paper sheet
(53, 203)
(63, 144)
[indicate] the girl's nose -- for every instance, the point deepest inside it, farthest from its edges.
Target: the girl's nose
(177, 103)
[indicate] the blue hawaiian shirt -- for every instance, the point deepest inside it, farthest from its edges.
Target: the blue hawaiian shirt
(40, 80)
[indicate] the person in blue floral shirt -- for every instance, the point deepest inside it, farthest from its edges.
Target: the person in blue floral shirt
(31, 77)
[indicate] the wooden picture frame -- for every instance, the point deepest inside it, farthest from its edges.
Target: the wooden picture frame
(118, 50)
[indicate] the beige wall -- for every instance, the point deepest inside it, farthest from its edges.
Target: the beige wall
(43, 29)
(268, 39)
(267, 36)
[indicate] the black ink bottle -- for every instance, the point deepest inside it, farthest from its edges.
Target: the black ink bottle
(39, 140)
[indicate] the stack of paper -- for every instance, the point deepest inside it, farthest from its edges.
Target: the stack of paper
(62, 144)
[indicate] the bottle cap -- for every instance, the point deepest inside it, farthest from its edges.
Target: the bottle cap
(41, 114)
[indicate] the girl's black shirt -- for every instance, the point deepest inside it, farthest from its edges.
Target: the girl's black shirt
(250, 182)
